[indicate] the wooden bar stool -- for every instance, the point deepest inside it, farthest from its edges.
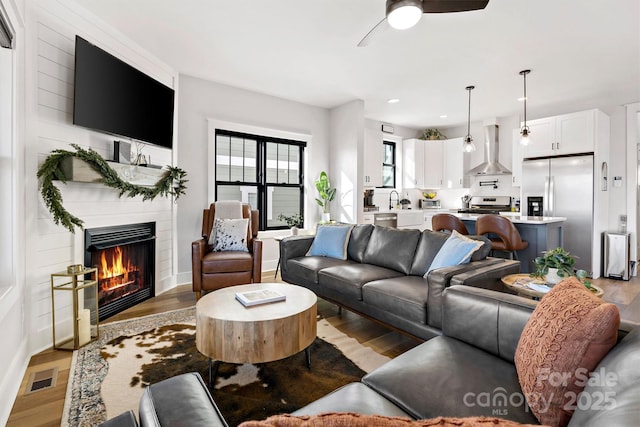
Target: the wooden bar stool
(508, 240)
(448, 222)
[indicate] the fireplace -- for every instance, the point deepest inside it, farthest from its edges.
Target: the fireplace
(125, 258)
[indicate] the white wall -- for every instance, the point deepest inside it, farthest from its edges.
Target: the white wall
(632, 126)
(201, 101)
(618, 167)
(44, 104)
(346, 157)
(51, 29)
(14, 354)
(400, 133)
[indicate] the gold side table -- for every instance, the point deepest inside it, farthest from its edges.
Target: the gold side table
(74, 307)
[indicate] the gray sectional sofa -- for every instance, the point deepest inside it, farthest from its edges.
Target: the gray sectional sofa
(450, 375)
(382, 277)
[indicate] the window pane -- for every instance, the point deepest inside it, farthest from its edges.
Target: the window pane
(237, 159)
(283, 163)
(294, 164)
(272, 162)
(388, 154)
(282, 200)
(222, 157)
(250, 160)
(244, 193)
(388, 176)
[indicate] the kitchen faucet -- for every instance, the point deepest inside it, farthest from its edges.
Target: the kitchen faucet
(397, 198)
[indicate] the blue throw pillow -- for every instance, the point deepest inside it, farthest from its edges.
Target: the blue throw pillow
(456, 250)
(331, 241)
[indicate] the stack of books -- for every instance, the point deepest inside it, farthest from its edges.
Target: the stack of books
(263, 296)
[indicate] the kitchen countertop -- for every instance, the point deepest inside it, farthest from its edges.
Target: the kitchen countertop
(403, 211)
(516, 219)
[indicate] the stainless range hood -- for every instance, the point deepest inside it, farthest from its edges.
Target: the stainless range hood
(491, 165)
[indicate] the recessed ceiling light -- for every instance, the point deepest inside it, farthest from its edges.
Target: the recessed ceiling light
(522, 98)
(444, 116)
(393, 100)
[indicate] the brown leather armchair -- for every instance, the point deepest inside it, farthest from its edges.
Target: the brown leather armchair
(215, 270)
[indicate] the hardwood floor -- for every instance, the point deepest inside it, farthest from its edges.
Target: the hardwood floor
(44, 407)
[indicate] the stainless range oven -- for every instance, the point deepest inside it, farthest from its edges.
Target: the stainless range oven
(488, 205)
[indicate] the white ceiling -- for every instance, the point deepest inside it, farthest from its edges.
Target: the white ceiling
(582, 53)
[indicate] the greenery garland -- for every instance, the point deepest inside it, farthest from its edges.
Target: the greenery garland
(172, 183)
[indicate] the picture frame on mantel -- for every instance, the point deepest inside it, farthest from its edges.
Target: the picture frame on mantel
(122, 152)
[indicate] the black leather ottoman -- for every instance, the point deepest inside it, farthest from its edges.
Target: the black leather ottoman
(181, 400)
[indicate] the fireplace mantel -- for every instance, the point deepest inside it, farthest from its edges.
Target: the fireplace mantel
(77, 170)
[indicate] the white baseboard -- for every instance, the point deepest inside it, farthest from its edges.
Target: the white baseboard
(12, 380)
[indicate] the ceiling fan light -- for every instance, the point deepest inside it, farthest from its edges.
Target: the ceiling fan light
(403, 14)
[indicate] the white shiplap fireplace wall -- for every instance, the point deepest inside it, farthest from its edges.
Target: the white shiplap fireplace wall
(51, 29)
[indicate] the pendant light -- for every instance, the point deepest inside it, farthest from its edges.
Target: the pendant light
(468, 145)
(525, 133)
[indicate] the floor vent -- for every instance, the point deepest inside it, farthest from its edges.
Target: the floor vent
(41, 380)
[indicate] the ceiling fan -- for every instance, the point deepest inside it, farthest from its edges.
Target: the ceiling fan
(403, 14)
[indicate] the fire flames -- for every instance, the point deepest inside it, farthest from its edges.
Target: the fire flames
(115, 273)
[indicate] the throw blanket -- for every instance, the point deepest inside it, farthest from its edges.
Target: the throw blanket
(228, 209)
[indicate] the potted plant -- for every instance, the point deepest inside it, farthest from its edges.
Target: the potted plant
(294, 222)
(432, 134)
(326, 195)
(554, 265)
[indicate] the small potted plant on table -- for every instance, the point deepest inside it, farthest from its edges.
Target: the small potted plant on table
(294, 222)
(554, 265)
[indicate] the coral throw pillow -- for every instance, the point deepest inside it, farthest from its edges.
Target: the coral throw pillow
(567, 335)
(357, 420)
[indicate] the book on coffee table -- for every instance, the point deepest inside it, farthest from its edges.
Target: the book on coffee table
(263, 296)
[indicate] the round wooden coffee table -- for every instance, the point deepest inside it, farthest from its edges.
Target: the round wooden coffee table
(227, 331)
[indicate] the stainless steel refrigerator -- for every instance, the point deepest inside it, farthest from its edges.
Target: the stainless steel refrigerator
(563, 186)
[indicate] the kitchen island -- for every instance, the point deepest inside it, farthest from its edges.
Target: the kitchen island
(542, 232)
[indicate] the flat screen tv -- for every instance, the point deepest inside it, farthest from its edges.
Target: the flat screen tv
(113, 97)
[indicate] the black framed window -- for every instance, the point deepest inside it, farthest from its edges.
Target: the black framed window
(265, 172)
(389, 164)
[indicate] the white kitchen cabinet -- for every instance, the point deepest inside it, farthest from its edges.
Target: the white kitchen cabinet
(454, 164)
(566, 134)
(429, 164)
(575, 133)
(413, 163)
(410, 219)
(368, 218)
(433, 164)
(373, 150)
(516, 159)
(541, 139)
(427, 223)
